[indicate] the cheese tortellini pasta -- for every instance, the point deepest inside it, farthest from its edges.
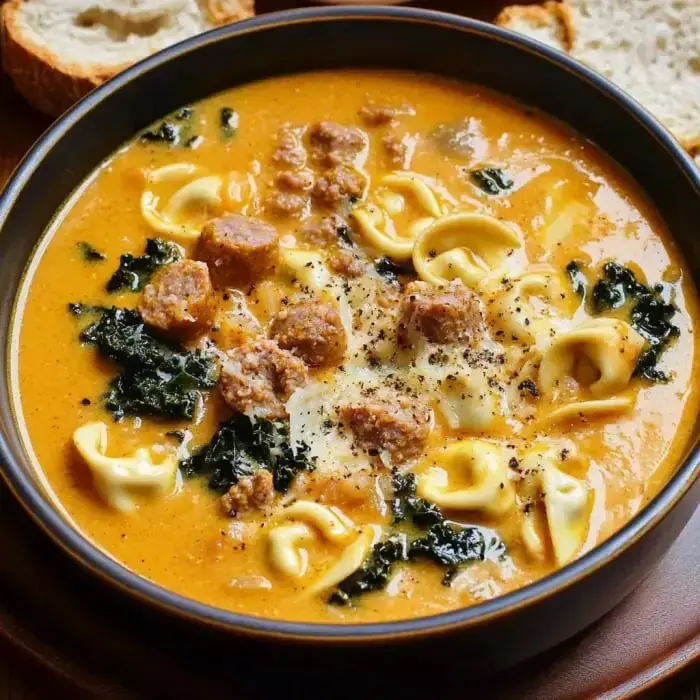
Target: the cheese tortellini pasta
(469, 474)
(600, 355)
(532, 306)
(462, 246)
(566, 502)
(185, 210)
(376, 221)
(119, 479)
(303, 523)
(585, 368)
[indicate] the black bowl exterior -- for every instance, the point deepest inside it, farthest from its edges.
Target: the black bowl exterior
(493, 634)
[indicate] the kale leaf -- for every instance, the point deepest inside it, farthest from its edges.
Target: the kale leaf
(228, 120)
(650, 314)
(175, 130)
(78, 309)
(617, 286)
(157, 378)
(450, 545)
(579, 283)
(407, 506)
(241, 446)
(444, 543)
(374, 573)
(89, 253)
(134, 272)
(491, 180)
(390, 270)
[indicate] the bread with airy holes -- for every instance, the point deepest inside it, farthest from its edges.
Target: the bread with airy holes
(56, 51)
(650, 48)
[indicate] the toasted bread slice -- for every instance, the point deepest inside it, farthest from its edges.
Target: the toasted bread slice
(56, 51)
(650, 48)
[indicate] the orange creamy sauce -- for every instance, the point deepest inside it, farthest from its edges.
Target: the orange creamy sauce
(184, 541)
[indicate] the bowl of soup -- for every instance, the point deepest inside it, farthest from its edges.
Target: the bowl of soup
(353, 325)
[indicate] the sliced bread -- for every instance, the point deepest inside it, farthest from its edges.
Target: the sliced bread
(650, 48)
(56, 51)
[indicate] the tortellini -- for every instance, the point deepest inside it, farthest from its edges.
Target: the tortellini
(468, 475)
(119, 479)
(375, 221)
(466, 401)
(305, 522)
(462, 246)
(566, 500)
(600, 355)
(531, 306)
(349, 561)
(307, 267)
(188, 208)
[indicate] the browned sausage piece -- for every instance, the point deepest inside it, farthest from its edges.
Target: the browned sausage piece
(179, 299)
(346, 263)
(291, 181)
(250, 493)
(237, 249)
(288, 197)
(311, 330)
(332, 144)
(330, 230)
(399, 425)
(378, 115)
(449, 314)
(395, 149)
(337, 185)
(258, 377)
(289, 152)
(286, 203)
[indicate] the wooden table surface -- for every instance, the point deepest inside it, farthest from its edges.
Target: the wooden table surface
(19, 127)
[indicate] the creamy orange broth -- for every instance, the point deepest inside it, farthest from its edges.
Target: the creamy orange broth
(184, 541)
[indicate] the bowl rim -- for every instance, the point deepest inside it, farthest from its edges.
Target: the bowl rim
(81, 549)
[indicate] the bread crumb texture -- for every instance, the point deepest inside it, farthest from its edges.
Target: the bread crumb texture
(650, 48)
(56, 51)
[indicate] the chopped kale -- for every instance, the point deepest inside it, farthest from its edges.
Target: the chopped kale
(165, 132)
(177, 435)
(224, 460)
(228, 119)
(175, 130)
(650, 314)
(444, 543)
(184, 114)
(491, 180)
(134, 272)
(450, 545)
(374, 574)
(240, 447)
(579, 283)
(78, 309)
(157, 378)
(89, 253)
(617, 286)
(390, 270)
(343, 231)
(407, 506)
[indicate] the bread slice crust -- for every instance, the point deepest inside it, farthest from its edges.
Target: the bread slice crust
(555, 21)
(52, 84)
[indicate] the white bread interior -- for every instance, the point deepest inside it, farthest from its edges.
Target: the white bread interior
(650, 48)
(57, 50)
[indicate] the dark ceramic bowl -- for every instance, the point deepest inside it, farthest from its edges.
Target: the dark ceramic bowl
(493, 634)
